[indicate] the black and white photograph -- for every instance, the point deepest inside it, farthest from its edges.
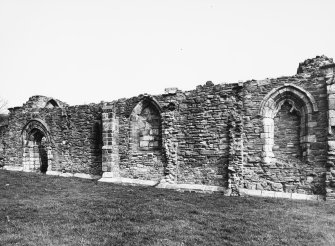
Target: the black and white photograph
(167, 123)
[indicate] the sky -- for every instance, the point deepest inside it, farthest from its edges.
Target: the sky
(88, 51)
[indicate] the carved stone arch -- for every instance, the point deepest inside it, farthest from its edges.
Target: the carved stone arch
(36, 144)
(280, 92)
(35, 124)
(301, 101)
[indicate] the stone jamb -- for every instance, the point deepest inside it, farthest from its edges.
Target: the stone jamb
(170, 147)
(110, 138)
(235, 161)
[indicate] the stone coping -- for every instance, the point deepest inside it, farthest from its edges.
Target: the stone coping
(77, 175)
(128, 181)
(163, 185)
(193, 187)
(180, 187)
(210, 188)
(279, 194)
(54, 173)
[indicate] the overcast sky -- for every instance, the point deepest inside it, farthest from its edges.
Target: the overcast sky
(83, 51)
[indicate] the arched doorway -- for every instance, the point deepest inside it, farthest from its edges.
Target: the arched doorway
(36, 144)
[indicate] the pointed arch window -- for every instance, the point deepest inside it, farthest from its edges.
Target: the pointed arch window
(301, 104)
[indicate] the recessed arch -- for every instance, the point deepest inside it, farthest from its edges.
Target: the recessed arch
(36, 144)
(146, 156)
(300, 101)
(146, 125)
(37, 124)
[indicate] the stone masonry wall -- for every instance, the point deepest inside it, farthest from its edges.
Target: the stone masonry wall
(195, 121)
(271, 135)
(203, 133)
(293, 169)
(75, 136)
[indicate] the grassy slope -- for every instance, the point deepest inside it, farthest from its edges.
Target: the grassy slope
(43, 210)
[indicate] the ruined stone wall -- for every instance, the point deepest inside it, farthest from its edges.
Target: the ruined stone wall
(73, 136)
(299, 160)
(36, 102)
(270, 135)
(194, 122)
(133, 140)
(203, 133)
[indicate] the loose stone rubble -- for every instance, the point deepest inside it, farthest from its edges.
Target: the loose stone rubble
(272, 137)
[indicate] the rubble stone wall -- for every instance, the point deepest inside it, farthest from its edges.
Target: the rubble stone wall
(300, 138)
(73, 136)
(269, 135)
(203, 133)
(189, 130)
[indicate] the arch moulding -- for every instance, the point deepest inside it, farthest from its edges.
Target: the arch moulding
(301, 101)
(35, 124)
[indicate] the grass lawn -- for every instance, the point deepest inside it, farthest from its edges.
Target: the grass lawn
(36, 209)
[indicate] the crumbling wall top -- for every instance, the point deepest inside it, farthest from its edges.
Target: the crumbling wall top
(314, 64)
(43, 102)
